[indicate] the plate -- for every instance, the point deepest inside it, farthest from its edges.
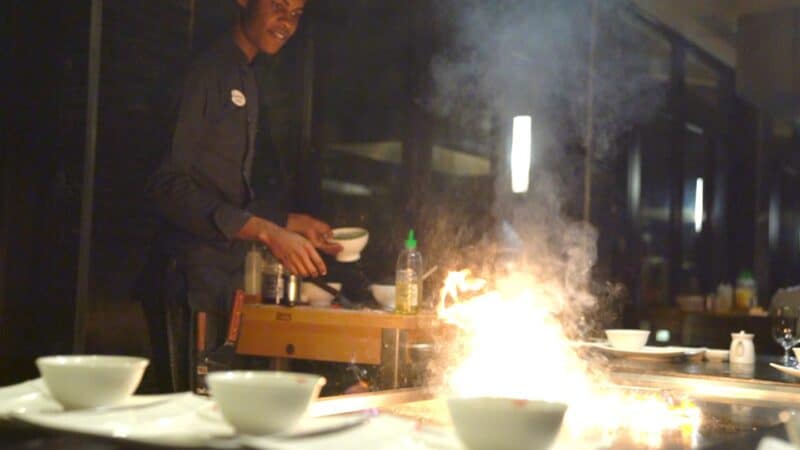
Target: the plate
(385, 432)
(787, 370)
(33, 397)
(650, 352)
(173, 420)
(27, 396)
(187, 420)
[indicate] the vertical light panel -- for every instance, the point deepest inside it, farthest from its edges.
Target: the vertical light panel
(698, 206)
(521, 141)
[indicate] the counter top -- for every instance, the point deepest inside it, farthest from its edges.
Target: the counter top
(758, 373)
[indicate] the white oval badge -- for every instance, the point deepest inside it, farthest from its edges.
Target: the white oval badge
(238, 98)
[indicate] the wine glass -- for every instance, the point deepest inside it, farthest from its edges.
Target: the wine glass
(784, 329)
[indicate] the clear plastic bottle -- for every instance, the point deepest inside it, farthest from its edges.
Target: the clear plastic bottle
(745, 291)
(408, 282)
(253, 271)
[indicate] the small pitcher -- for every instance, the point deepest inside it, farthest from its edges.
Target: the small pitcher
(742, 349)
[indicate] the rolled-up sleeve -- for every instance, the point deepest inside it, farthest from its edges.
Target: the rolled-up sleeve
(176, 193)
(267, 211)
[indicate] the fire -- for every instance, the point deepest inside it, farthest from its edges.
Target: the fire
(516, 342)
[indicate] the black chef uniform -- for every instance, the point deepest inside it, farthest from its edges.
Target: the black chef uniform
(203, 187)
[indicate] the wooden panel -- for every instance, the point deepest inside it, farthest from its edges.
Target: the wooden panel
(287, 339)
(338, 317)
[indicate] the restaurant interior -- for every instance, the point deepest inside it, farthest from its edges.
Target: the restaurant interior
(626, 164)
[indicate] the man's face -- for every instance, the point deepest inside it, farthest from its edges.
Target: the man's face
(268, 24)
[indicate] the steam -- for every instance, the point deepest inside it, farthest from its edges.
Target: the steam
(514, 333)
(532, 57)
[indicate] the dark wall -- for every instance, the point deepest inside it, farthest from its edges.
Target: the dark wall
(41, 166)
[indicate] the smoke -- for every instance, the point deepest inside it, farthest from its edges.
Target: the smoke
(536, 57)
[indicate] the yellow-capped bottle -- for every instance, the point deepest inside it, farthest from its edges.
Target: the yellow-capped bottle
(408, 278)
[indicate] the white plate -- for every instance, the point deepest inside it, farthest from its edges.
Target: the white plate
(649, 352)
(171, 421)
(787, 370)
(27, 396)
(33, 397)
(383, 432)
(188, 420)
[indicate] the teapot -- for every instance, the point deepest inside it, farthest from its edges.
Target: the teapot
(742, 349)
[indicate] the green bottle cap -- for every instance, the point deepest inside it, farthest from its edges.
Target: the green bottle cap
(411, 243)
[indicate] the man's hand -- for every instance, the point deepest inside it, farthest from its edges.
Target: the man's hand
(292, 250)
(316, 231)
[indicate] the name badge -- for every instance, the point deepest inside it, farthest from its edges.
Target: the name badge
(238, 98)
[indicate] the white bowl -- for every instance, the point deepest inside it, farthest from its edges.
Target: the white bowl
(352, 240)
(503, 423)
(316, 296)
(384, 294)
(628, 339)
(89, 381)
(713, 354)
(263, 402)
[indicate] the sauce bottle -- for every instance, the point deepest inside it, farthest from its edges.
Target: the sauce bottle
(408, 282)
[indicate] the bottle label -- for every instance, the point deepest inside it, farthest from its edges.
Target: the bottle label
(413, 292)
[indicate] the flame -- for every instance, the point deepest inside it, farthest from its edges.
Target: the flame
(514, 343)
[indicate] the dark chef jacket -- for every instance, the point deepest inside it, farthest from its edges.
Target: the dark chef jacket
(203, 186)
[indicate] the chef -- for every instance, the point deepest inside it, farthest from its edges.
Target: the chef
(203, 188)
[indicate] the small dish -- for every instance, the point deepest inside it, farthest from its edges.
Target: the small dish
(316, 296)
(717, 355)
(90, 381)
(504, 423)
(266, 392)
(631, 340)
(352, 240)
(384, 294)
(787, 370)
(645, 352)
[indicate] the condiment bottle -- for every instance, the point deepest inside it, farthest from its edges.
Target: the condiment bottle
(408, 282)
(253, 271)
(745, 291)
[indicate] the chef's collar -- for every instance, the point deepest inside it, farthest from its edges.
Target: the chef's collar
(240, 57)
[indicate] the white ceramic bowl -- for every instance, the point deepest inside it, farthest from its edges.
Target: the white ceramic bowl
(484, 423)
(352, 240)
(384, 294)
(316, 296)
(263, 402)
(89, 381)
(627, 339)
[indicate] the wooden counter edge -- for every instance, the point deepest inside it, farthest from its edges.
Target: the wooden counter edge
(338, 317)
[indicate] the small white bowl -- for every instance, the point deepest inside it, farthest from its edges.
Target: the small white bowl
(316, 296)
(484, 423)
(352, 240)
(90, 381)
(384, 294)
(628, 339)
(718, 355)
(261, 403)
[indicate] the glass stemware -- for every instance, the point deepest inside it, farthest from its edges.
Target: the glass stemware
(784, 329)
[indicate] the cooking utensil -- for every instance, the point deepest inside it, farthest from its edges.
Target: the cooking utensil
(430, 272)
